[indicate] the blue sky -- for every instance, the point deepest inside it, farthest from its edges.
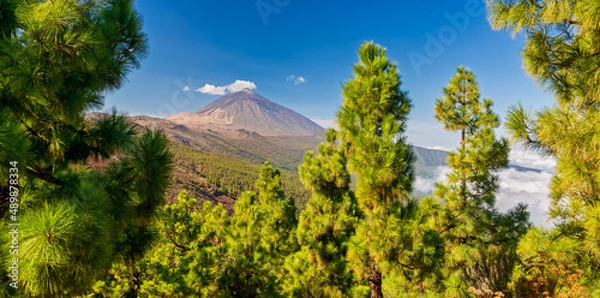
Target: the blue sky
(194, 43)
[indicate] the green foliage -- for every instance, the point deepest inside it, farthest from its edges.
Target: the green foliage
(144, 172)
(372, 122)
(182, 263)
(261, 236)
(57, 59)
(277, 212)
(561, 54)
(70, 234)
(480, 242)
(103, 231)
(319, 268)
(62, 255)
(549, 264)
(204, 252)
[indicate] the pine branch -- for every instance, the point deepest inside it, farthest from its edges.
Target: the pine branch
(43, 175)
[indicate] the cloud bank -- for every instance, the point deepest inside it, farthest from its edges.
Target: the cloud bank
(530, 159)
(525, 187)
(427, 184)
(516, 187)
(529, 187)
(236, 86)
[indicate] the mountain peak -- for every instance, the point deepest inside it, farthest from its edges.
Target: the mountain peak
(249, 111)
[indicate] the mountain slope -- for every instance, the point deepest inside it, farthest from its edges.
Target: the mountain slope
(285, 152)
(430, 157)
(248, 111)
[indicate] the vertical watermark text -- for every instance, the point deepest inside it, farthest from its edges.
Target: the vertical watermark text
(13, 224)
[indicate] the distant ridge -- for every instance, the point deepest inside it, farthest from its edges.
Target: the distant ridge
(431, 158)
(248, 111)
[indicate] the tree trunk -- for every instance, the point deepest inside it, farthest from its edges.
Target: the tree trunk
(375, 281)
(134, 283)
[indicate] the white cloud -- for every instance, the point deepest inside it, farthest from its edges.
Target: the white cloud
(520, 157)
(531, 159)
(186, 88)
(240, 85)
(236, 86)
(297, 80)
(530, 188)
(440, 148)
(326, 123)
(427, 184)
(212, 89)
(516, 187)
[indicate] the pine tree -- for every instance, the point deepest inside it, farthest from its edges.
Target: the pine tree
(57, 59)
(372, 120)
(561, 54)
(244, 260)
(260, 237)
(468, 220)
(319, 269)
(146, 169)
(278, 215)
(185, 261)
(202, 245)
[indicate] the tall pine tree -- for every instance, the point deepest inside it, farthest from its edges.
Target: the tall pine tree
(372, 121)
(469, 223)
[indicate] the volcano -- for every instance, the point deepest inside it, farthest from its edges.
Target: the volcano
(248, 111)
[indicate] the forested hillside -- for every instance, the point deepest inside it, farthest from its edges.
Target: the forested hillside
(222, 179)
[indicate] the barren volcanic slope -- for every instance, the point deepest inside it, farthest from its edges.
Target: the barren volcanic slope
(250, 111)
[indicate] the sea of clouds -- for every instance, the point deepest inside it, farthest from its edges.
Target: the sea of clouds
(530, 187)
